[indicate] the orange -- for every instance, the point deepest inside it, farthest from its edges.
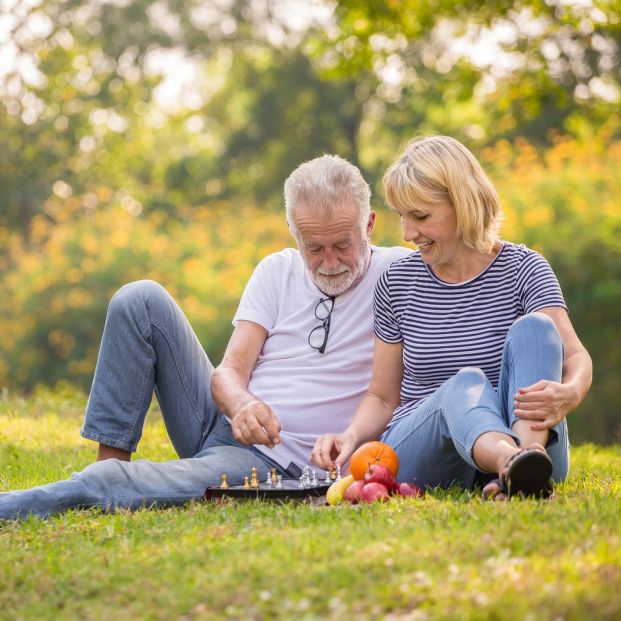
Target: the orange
(373, 453)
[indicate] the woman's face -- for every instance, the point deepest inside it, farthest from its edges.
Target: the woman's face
(433, 228)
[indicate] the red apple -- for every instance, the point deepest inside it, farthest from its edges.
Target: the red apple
(378, 473)
(373, 491)
(409, 489)
(352, 493)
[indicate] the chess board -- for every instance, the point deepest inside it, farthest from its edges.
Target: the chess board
(290, 491)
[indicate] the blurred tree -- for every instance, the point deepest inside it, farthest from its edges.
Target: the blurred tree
(82, 89)
(530, 66)
(274, 112)
(79, 88)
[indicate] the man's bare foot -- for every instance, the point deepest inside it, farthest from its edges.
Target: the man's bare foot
(110, 452)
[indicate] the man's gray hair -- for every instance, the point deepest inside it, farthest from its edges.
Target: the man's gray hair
(323, 185)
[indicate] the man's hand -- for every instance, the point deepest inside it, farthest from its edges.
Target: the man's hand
(545, 403)
(331, 450)
(256, 423)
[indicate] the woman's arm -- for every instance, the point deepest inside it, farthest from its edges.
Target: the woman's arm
(546, 402)
(373, 413)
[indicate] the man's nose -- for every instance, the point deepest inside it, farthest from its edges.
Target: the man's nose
(330, 260)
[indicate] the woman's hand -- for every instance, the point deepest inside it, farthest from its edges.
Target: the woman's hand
(331, 450)
(546, 403)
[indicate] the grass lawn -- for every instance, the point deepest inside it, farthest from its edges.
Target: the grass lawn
(448, 556)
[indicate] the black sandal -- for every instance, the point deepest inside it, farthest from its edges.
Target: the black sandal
(528, 474)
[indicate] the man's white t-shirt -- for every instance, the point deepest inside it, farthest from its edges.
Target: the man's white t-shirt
(311, 393)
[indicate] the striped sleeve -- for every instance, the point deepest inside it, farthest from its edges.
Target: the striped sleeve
(537, 285)
(384, 321)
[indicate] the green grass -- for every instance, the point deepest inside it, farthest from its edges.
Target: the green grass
(448, 556)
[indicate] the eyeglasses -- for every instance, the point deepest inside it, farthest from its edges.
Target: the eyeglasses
(318, 337)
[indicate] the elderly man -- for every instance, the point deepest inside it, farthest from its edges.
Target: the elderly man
(297, 364)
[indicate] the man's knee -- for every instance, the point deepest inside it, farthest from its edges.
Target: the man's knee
(139, 292)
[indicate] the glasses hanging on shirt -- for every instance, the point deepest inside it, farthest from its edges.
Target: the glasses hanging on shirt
(318, 337)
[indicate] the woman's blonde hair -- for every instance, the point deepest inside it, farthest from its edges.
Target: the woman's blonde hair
(437, 169)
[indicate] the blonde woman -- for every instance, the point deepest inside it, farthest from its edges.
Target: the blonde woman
(476, 362)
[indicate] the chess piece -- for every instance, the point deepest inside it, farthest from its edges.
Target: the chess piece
(273, 476)
(338, 473)
(268, 480)
(246, 483)
(254, 481)
(224, 482)
(329, 479)
(278, 481)
(301, 485)
(332, 475)
(306, 474)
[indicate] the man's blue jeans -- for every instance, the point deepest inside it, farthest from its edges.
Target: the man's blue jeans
(147, 345)
(434, 441)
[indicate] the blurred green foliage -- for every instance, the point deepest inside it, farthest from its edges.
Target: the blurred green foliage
(104, 180)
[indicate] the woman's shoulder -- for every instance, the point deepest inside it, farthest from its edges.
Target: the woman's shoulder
(404, 269)
(518, 253)
(524, 262)
(408, 263)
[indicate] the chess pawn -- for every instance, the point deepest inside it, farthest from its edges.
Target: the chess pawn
(338, 473)
(313, 480)
(332, 475)
(301, 485)
(254, 481)
(246, 483)
(328, 480)
(278, 481)
(224, 482)
(268, 480)
(274, 476)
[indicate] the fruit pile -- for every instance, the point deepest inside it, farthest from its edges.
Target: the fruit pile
(374, 467)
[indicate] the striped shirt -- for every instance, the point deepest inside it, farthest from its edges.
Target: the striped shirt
(445, 327)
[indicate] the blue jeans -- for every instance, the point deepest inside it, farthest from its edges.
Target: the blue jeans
(434, 441)
(147, 345)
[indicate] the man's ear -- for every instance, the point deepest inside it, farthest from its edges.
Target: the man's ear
(370, 223)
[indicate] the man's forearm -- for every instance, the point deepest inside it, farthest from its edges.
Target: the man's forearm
(252, 420)
(230, 391)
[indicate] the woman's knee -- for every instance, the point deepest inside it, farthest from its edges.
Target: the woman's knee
(535, 323)
(470, 376)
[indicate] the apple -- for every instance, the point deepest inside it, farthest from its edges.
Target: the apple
(373, 491)
(352, 493)
(409, 489)
(378, 473)
(335, 492)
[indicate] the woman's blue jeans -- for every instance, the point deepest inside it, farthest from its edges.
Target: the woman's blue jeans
(147, 345)
(434, 441)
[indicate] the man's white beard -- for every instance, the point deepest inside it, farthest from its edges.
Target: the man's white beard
(346, 279)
